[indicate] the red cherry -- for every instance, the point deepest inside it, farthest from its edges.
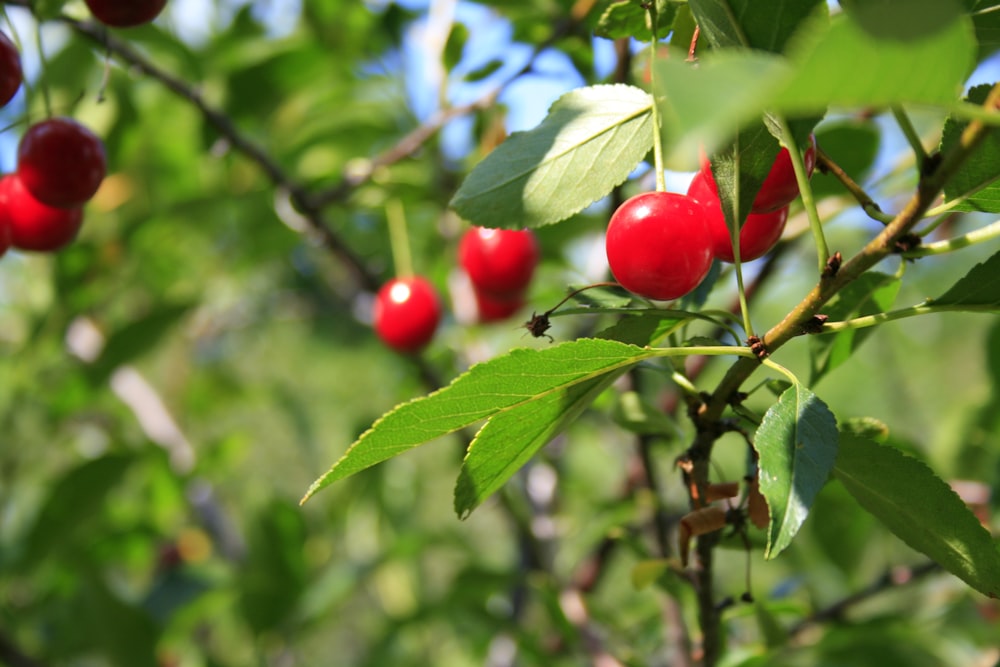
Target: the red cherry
(757, 235)
(492, 308)
(658, 245)
(499, 261)
(407, 312)
(34, 225)
(125, 13)
(779, 187)
(10, 70)
(61, 162)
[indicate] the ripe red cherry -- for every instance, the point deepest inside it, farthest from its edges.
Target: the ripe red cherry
(757, 235)
(10, 70)
(407, 312)
(34, 225)
(779, 187)
(125, 13)
(61, 162)
(499, 261)
(658, 245)
(492, 308)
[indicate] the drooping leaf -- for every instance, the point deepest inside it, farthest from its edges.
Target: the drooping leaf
(797, 445)
(591, 140)
(979, 288)
(872, 293)
(510, 438)
(978, 176)
(740, 170)
(902, 21)
(758, 25)
(921, 509)
(504, 383)
(986, 21)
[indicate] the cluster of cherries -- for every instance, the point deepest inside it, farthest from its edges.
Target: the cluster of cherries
(499, 264)
(661, 245)
(60, 163)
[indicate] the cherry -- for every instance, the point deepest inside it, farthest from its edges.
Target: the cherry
(34, 225)
(10, 70)
(658, 245)
(125, 13)
(499, 262)
(407, 312)
(779, 187)
(757, 235)
(492, 308)
(61, 162)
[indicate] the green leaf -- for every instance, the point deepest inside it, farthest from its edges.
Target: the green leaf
(510, 438)
(797, 444)
(977, 177)
(136, 338)
(633, 413)
(921, 509)
(504, 383)
(980, 287)
(902, 21)
(871, 293)
(986, 21)
(643, 329)
(628, 18)
(760, 25)
(742, 169)
(839, 63)
(590, 142)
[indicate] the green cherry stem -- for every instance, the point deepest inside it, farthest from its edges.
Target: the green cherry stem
(661, 180)
(987, 233)
(46, 98)
(926, 308)
(399, 239)
(871, 208)
(734, 239)
(805, 190)
(910, 133)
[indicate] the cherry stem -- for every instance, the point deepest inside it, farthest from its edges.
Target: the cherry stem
(987, 233)
(661, 181)
(579, 290)
(46, 99)
(805, 190)
(910, 133)
(399, 239)
(871, 208)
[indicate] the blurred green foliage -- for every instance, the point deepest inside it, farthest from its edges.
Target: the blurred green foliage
(149, 484)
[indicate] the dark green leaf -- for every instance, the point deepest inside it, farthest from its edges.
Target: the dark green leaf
(902, 21)
(976, 178)
(797, 444)
(628, 18)
(986, 21)
(72, 505)
(486, 70)
(454, 47)
(510, 438)
(634, 413)
(643, 329)
(741, 170)
(126, 633)
(921, 509)
(590, 142)
(872, 293)
(980, 287)
(504, 383)
(851, 144)
(758, 25)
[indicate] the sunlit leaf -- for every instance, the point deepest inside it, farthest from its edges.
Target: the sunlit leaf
(502, 384)
(758, 25)
(510, 438)
(591, 140)
(797, 444)
(921, 509)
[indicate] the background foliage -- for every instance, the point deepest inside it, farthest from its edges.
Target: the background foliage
(173, 382)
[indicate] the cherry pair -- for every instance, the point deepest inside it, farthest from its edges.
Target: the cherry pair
(660, 245)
